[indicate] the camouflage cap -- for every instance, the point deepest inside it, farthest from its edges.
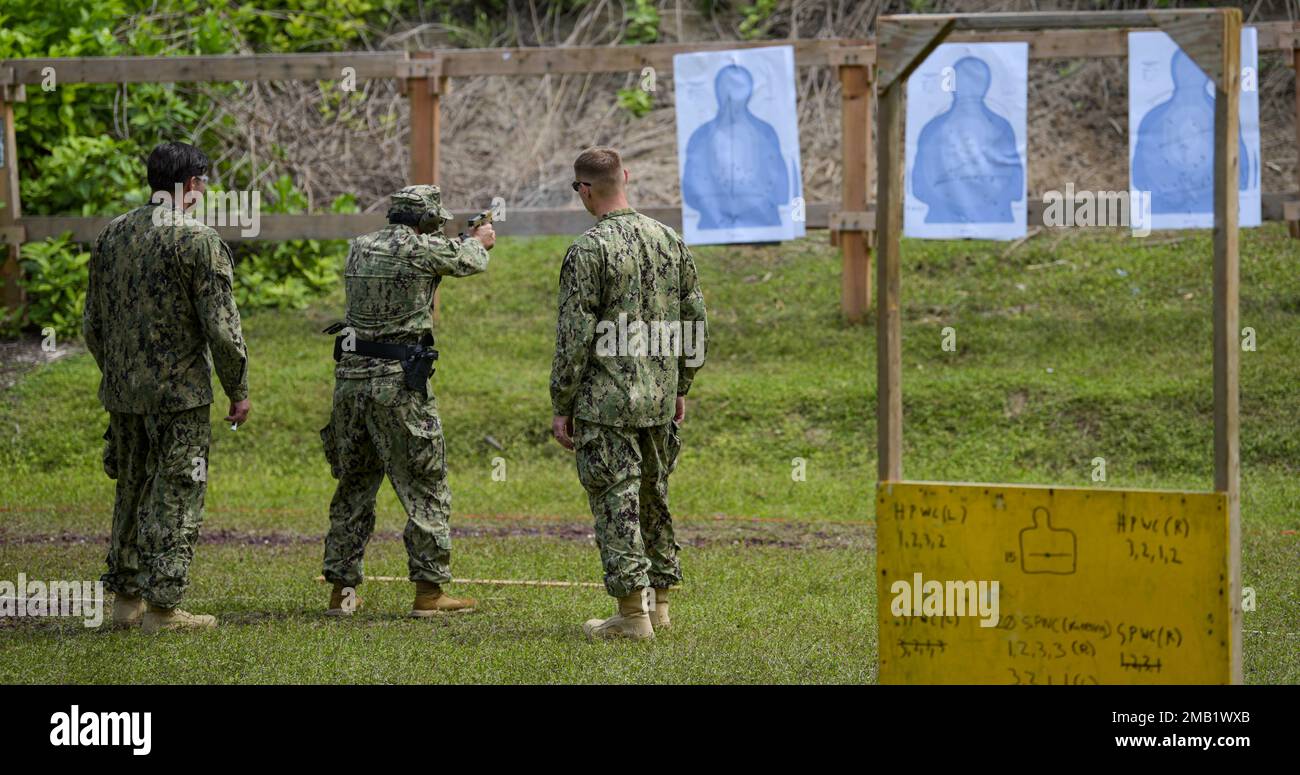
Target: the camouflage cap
(423, 199)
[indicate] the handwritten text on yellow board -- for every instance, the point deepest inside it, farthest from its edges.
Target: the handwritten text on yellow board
(1072, 586)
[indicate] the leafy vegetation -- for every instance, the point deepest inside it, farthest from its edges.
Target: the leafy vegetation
(641, 22)
(83, 146)
(290, 273)
(757, 19)
(55, 275)
(635, 100)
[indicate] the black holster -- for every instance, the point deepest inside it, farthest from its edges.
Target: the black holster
(416, 360)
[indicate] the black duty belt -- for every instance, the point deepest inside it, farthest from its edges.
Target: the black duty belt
(416, 360)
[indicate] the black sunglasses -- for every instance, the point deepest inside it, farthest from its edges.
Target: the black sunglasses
(578, 183)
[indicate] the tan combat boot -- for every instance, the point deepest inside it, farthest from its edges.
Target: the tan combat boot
(430, 600)
(659, 614)
(127, 610)
(157, 619)
(632, 622)
(344, 601)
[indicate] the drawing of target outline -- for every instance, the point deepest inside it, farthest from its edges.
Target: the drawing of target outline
(1047, 549)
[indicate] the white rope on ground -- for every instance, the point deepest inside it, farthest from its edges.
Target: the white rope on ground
(494, 582)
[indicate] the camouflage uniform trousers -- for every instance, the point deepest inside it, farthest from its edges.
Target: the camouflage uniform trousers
(160, 462)
(379, 425)
(625, 473)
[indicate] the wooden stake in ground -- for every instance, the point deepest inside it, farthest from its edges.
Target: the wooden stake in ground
(12, 233)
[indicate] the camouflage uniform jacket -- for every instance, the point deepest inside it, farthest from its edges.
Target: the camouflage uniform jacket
(628, 286)
(160, 298)
(390, 278)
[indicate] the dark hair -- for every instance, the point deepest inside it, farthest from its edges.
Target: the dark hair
(173, 164)
(406, 218)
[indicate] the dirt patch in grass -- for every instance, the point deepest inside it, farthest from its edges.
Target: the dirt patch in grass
(19, 356)
(692, 533)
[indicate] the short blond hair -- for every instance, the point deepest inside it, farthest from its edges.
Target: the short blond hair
(602, 168)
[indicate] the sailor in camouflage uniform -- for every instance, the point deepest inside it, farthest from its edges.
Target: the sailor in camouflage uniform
(384, 420)
(630, 334)
(159, 309)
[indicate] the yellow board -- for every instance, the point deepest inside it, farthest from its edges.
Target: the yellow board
(1094, 585)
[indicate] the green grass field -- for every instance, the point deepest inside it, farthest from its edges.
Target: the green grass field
(1069, 348)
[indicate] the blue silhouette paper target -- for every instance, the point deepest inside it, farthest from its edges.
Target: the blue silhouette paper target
(966, 148)
(738, 146)
(1171, 133)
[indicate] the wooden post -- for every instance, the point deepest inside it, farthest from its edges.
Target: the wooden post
(425, 93)
(900, 48)
(1294, 226)
(10, 232)
(1227, 330)
(855, 129)
(889, 227)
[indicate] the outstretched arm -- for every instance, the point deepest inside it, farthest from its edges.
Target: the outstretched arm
(455, 257)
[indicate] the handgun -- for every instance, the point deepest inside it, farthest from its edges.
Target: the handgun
(476, 221)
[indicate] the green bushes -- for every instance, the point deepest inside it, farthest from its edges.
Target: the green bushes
(284, 275)
(83, 147)
(289, 274)
(641, 22)
(758, 18)
(54, 278)
(635, 100)
(86, 176)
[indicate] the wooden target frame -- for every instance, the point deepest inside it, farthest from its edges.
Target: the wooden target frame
(1212, 39)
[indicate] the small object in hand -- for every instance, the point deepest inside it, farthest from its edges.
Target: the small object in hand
(234, 426)
(477, 221)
